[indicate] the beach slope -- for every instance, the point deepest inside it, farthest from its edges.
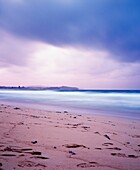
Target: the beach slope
(38, 139)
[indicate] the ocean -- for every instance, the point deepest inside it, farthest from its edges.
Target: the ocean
(122, 103)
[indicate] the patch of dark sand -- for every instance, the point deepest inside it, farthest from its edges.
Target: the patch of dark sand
(118, 154)
(1, 168)
(65, 111)
(128, 143)
(58, 112)
(107, 137)
(8, 154)
(34, 142)
(15, 149)
(21, 155)
(98, 148)
(20, 123)
(17, 108)
(75, 146)
(24, 150)
(115, 148)
(135, 136)
(1, 146)
(85, 127)
(97, 133)
(132, 156)
(72, 153)
(78, 124)
(35, 153)
(33, 116)
(40, 157)
(111, 133)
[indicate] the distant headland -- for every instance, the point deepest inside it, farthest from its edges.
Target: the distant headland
(67, 88)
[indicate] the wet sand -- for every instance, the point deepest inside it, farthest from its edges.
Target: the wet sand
(37, 140)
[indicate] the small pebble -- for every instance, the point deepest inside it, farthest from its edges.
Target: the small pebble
(34, 142)
(16, 108)
(73, 153)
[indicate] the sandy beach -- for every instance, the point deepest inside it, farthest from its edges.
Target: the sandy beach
(37, 139)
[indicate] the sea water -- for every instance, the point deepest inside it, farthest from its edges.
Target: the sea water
(124, 103)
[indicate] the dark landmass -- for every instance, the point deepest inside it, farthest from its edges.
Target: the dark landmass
(65, 88)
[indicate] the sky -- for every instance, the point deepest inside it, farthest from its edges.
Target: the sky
(90, 44)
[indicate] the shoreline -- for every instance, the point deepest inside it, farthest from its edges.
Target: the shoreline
(73, 110)
(39, 139)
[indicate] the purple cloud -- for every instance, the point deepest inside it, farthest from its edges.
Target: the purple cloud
(100, 24)
(13, 51)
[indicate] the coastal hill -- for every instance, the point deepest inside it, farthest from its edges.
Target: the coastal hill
(67, 88)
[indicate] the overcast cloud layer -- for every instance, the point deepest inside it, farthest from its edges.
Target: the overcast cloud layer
(83, 43)
(109, 25)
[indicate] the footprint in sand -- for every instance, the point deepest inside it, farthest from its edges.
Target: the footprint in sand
(118, 154)
(87, 165)
(30, 164)
(114, 148)
(123, 155)
(24, 150)
(107, 144)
